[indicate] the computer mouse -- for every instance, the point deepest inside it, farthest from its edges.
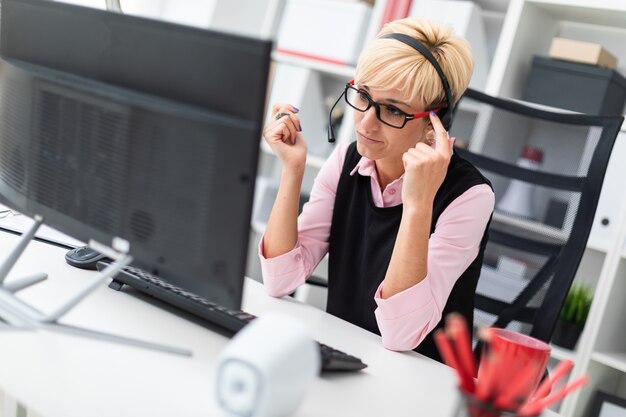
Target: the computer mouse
(84, 257)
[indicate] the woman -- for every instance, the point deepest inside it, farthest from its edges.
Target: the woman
(402, 217)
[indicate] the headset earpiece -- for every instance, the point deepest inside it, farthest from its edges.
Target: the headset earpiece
(446, 118)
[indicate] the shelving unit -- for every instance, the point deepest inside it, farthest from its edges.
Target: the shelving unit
(530, 26)
(615, 360)
(528, 30)
(515, 31)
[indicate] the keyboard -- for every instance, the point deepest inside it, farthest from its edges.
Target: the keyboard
(230, 320)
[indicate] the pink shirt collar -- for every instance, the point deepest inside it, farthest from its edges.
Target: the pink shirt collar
(365, 167)
(391, 196)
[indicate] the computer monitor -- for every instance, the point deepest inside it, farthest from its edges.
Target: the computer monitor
(115, 126)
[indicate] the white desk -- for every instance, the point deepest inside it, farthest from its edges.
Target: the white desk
(64, 376)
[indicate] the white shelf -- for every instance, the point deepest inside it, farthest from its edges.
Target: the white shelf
(259, 227)
(561, 354)
(499, 6)
(544, 107)
(313, 161)
(531, 225)
(266, 148)
(470, 106)
(603, 13)
(615, 360)
(338, 70)
(597, 245)
(493, 14)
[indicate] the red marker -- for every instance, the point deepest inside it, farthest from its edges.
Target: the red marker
(449, 356)
(535, 407)
(559, 372)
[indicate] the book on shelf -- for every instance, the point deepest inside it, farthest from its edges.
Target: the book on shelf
(394, 10)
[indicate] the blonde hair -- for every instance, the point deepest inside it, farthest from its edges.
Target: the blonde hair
(389, 63)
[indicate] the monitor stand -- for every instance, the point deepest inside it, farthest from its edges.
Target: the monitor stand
(113, 6)
(18, 314)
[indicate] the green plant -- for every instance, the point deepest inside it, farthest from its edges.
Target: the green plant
(577, 304)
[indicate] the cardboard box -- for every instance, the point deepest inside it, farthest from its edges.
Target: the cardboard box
(584, 52)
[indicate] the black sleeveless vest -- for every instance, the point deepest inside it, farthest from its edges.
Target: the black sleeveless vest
(362, 237)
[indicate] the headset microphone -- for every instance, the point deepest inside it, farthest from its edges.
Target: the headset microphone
(331, 131)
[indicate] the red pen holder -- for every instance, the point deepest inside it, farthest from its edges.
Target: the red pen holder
(513, 365)
(470, 406)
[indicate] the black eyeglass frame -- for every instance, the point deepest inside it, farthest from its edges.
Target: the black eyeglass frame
(370, 103)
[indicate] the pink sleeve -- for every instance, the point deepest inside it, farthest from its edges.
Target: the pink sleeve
(406, 318)
(284, 273)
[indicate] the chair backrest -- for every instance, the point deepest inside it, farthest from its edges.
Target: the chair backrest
(545, 204)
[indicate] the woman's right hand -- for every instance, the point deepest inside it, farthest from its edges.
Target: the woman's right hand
(283, 135)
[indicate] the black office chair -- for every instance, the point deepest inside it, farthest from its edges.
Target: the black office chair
(534, 249)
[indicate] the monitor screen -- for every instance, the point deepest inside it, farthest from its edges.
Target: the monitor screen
(115, 126)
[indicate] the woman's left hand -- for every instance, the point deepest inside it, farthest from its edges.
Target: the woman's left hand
(425, 167)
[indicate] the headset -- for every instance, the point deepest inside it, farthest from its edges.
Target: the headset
(445, 114)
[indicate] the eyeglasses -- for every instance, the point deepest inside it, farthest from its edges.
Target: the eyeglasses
(386, 113)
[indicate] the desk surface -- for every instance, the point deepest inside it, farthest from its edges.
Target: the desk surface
(63, 376)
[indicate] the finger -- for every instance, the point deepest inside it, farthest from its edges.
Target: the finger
(284, 119)
(290, 119)
(419, 152)
(284, 107)
(276, 108)
(415, 156)
(412, 163)
(280, 115)
(290, 129)
(451, 143)
(441, 135)
(298, 138)
(294, 121)
(278, 133)
(425, 148)
(407, 158)
(286, 134)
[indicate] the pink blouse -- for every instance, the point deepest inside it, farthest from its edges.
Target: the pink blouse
(404, 319)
